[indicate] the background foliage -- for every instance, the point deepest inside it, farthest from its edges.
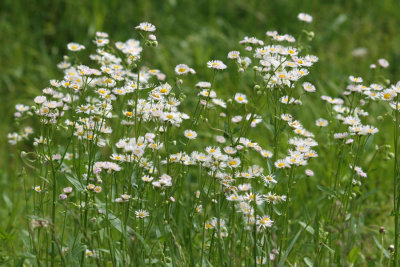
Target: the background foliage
(34, 35)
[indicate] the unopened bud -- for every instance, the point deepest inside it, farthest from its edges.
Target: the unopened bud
(382, 230)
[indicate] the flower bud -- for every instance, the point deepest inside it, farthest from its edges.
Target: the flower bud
(382, 230)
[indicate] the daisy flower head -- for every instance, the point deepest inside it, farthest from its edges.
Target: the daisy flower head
(216, 64)
(233, 55)
(146, 27)
(264, 222)
(147, 178)
(321, 122)
(75, 47)
(67, 190)
(234, 163)
(308, 87)
(38, 189)
(266, 154)
(182, 69)
(189, 134)
(241, 98)
(281, 163)
(203, 85)
(305, 17)
(141, 214)
(97, 189)
(101, 41)
(355, 79)
(220, 139)
(309, 172)
(383, 63)
(269, 179)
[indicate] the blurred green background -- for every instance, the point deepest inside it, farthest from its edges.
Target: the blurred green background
(34, 34)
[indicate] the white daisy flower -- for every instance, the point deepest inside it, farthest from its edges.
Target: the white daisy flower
(182, 69)
(241, 98)
(146, 27)
(75, 47)
(189, 134)
(141, 214)
(216, 64)
(305, 17)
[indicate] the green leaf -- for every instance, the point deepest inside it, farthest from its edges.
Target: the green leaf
(353, 255)
(289, 249)
(307, 227)
(385, 252)
(308, 262)
(327, 190)
(75, 183)
(116, 222)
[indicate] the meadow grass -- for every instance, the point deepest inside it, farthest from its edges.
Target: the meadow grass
(34, 40)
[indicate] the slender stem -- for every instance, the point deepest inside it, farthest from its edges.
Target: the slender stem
(395, 184)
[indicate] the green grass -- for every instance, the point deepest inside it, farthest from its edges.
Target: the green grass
(34, 35)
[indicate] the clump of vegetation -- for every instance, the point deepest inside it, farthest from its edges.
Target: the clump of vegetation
(130, 167)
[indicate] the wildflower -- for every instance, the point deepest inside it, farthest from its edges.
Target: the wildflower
(219, 102)
(308, 87)
(383, 63)
(189, 134)
(203, 84)
(182, 69)
(241, 98)
(321, 122)
(216, 64)
(62, 196)
(101, 41)
(237, 119)
(147, 178)
(208, 226)
(266, 154)
(75, 47)
(234, 163)
(141, 214)
(90, 186)
(38, 189)
(360, 172)
(244, 187)
(67, 190)
(309, 172)
(97, 189)
(281, 164)
(305, 17)
(146, 27)
(90, 253)
(125, 197)
(198, 208)
(40, 99)
(233, 55)
(264, 222)
(269, 179)
(355, 79)
(220, 139)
